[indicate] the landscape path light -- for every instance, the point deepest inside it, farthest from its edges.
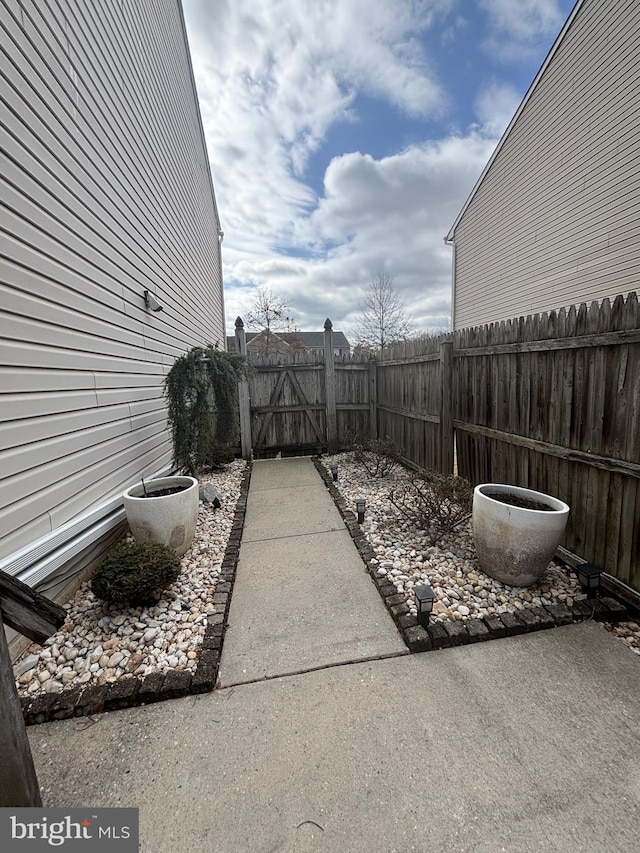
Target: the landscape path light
(425, 596)
(334, 471)
(589, 578)
(360, 507)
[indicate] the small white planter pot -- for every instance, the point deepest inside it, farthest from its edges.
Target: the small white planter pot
(169, 519)
(515, 544)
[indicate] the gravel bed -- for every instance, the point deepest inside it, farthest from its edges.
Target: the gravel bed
(405, 556)
(100, 644)
(628, 632)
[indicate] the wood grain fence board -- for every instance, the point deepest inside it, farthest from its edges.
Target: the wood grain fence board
(632, 440)
(620, 465)
(628, 522)
(603, 508)
(406, 413)
(574, 538)
(581, 341)
(634, 562)
(619, 406)
(373, 399)
(273, 398)
(612, 531)
(308, 408)
(591, 514)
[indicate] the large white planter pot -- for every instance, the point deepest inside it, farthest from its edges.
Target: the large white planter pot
(514, 544)
(169, 519)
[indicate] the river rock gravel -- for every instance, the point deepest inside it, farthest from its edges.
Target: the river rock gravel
(406, 557)
(627, 632)
(101, 643)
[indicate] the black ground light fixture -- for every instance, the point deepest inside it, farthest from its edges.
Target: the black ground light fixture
(360, 507)
(425, 596)
(589, 578)
(334, 471)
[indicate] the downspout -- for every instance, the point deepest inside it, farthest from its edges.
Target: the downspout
(450, 241)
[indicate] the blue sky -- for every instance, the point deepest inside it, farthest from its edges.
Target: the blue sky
(345, 135)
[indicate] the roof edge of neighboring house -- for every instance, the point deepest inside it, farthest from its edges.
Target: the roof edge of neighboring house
(554, 48)
(205, 148)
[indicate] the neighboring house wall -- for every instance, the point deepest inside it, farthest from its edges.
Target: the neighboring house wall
(106, 193)
(555, 218)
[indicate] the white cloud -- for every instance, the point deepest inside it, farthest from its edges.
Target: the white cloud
(390, 213)
(495, 107)
(518, 27)
(273, 76)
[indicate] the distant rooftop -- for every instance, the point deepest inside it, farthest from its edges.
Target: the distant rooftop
(308, 340)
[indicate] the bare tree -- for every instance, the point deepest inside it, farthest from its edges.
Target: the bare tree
(269, 311)
(383, 317)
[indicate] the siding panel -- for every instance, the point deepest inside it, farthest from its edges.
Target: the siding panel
(555, 219)
(105, 192)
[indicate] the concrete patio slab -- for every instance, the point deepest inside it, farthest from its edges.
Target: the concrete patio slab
(523, 745)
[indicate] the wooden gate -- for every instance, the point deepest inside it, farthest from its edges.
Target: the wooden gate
(288, 405)
(304, 402)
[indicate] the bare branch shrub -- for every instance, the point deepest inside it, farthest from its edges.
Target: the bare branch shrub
(436, 503)
(378, 456)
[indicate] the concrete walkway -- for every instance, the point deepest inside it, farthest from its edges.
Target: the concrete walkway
(530, 743)
(302, 599)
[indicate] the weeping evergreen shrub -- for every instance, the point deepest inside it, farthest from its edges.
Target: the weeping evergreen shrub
(201, 392)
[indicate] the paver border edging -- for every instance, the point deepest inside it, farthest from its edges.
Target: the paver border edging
(441, 635)
(157, 686)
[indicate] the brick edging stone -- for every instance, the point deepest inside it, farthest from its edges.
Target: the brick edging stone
(441, 635)
(157, 686)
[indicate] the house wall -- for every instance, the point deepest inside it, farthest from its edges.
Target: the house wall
(556, 218)
(105, 193)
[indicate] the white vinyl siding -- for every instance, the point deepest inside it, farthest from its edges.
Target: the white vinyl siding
(105, 192)
(556, 218)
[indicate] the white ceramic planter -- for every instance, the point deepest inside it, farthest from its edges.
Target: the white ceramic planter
(514, 544)
(170, 519)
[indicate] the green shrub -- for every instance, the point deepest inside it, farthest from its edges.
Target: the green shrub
(434, 502)
(135, 573)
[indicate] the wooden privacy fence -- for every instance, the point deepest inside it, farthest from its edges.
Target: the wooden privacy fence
(304, 401)
(551, 402)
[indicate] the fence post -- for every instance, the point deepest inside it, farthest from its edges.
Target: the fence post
(330, 387)
(446, 407)
(373, 398)
(244, 402)
(35, 616)
(19, 785)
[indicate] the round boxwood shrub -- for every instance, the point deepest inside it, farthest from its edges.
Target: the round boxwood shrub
(135, 573)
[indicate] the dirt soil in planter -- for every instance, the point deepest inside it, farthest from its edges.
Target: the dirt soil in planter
(517, 500)
(161, 493)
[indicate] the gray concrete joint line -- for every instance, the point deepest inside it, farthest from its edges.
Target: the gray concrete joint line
(320, 668)
(292, 536)
(283, 488)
